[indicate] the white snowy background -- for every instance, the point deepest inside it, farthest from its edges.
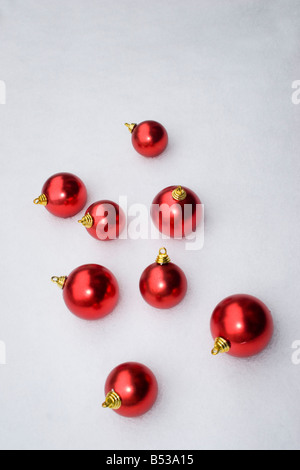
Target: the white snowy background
(218, 74)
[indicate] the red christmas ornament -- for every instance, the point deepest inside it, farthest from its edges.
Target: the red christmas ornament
(90, 291)
(104, 220)
(163, 284)
(131, 390)
(241, 325)
(149, 138)
(176, 211)
(64, 195)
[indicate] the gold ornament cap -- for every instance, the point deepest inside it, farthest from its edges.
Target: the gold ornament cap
(41, 200)
(221, 346)
(131, 127)
(60, 281)
(87, 221)
(112, 401)
(179, 194)
(163, 257)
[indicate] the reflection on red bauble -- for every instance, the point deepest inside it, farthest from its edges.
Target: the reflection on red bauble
(241, 325)
(64, 195)
(176, 211)
(131, 389)
(149, 138)
(90, 291)
(163, 284)
(104, 220)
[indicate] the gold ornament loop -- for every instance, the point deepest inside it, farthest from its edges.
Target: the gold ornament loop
(112, 401)
(179, 194)
(87, 221)
(59, 281)
(163, 257)
(221, 346)
(130, 127)
(41, 200)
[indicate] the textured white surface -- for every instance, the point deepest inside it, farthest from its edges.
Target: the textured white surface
(218, 74)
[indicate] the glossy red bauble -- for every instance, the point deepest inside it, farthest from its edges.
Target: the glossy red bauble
(163, 284)
(64, 195)
(104, 220)
(149, 138)
(90, 291)
(131, 389)
(242, 325)
(176, 211)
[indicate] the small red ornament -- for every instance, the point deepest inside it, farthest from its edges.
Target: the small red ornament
(131, 390)
(176, 211)
(241, 325)
(104, 220)
(64, 195)
(149, 138)
(163, 284)
(90, 291)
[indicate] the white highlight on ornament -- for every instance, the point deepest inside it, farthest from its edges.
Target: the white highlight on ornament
(2, 92)
(296, 353)
(296, 94)
(2, 353)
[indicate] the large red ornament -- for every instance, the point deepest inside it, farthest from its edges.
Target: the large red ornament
(90, 291)
(176, 211)
(64, 195)
(131, 389)
(241, 325)
(163, 284)
(104, 220)
(149, 138)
